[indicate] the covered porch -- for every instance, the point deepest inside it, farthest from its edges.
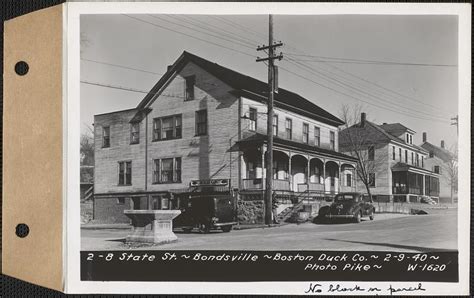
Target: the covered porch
(411, 184)
(297, 171)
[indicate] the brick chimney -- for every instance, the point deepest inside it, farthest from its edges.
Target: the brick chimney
(442, 144)
(424, 137)
(362, 119)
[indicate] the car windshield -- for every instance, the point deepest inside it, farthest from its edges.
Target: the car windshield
(345, 197)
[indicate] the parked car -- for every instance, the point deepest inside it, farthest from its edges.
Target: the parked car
(351, 205)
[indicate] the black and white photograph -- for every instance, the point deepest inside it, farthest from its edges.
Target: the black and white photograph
(264, 135)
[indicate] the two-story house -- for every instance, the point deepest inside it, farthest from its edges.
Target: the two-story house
(401, 173)
(443, 162)
(203, 121)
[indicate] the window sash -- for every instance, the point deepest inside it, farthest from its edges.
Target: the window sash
(305, 133)
(289, 128)
(190, 82)
(125, 173)
(275, 125)
(332, 140)
(167, 128)
(134, 133)
(106, 136)
(167, 170)
(317, 136)
(252, 119)
(201, 122)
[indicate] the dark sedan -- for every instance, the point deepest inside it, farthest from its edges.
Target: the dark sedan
(351, 205)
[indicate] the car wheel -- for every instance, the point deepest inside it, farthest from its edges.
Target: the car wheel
(358, 217)
(204, 228)
(187, 230)
(226, 229)
(372, 214)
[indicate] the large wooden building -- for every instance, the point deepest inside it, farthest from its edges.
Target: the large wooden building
(400, 172)
(203, 121)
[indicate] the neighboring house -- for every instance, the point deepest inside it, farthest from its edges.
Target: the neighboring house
(87, 182)
(439, 161)
(402, 174)
(203, 121)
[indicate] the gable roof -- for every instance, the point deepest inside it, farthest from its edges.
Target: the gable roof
(395, 129)
(379, 135)
(258, 138)
(248, 86)
(439, 152)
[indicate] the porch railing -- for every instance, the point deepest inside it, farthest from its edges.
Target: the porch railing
(347, 188)
(258, 184)
(302, 187)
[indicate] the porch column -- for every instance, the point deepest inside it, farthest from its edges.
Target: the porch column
(324, 175)
(290, 177)
(263, 167)
(423, 185)
(308, 173)
(339, 174)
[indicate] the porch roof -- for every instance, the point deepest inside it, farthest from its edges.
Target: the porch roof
(403, 167)
(258, 138)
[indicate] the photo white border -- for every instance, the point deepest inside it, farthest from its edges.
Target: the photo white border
(71, 119)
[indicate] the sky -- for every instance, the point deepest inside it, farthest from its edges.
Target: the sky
(414, 80)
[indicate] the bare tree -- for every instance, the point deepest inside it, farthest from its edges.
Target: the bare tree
(450, 171)
(87, 147)
(358, 138)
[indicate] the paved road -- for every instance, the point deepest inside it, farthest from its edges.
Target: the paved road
(393, 232)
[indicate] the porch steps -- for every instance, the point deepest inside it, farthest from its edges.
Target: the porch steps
(288, 212)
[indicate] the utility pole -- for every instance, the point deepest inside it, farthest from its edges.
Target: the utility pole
(271, 93)
(456, 122)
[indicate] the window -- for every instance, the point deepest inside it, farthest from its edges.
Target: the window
(400, 154)
(105, 136)
(422, 161)
(348, 179)
(371, 153)
(201, 123)
(408, 138)
(332, 140)
(190, 81)
(317, 136)
(252, 119)
(411, 139)
(167, 128)
(437, 169)
(275, 125)
(371, 179)
(167, 170)
(412, 159)
(289, 128)
(125, 173)
(417, 160)
(393, 152)
(305, 133)
(120, 201)
(431, 154)
(135, 133)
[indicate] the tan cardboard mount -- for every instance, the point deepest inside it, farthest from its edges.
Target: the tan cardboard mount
(33, 149)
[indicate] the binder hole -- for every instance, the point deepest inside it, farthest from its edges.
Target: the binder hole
(22, 230)
(21, 68)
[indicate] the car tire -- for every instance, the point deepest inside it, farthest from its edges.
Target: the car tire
(358, 217)
(187, 230)
(204, 229)
(226, 229)
(372, 215)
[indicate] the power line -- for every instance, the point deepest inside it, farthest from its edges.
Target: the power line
(337, 91)
(239, 26)
(362, 61)
(121, 66)
(207, 26)
(194, 29)
(399, 95)
(188, 35)
(328, 78)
